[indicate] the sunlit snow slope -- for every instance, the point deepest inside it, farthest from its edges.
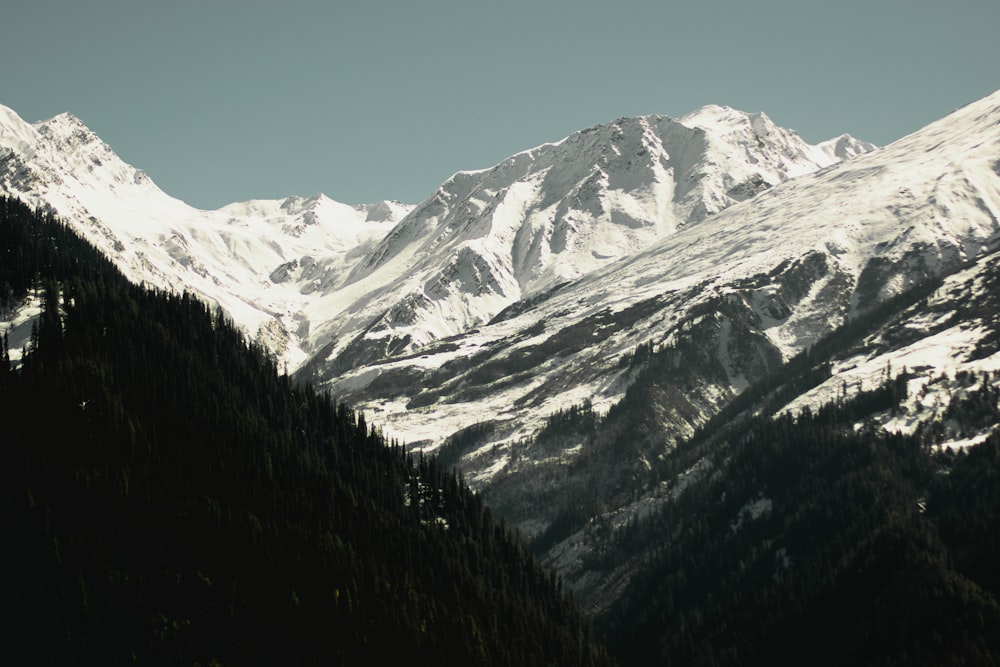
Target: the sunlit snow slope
(265, 262)
(488, 239)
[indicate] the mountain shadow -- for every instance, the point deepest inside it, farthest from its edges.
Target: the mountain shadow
(169, 498)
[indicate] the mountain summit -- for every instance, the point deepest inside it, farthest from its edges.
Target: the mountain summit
(490, 238)
(260, 260)
(310, 277)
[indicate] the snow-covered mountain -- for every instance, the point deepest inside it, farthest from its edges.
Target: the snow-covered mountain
(488, 239)
(718, 303)
(554, 324)
(264, 262)
(348, 286)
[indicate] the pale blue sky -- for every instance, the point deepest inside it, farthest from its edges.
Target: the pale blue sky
(224, 100)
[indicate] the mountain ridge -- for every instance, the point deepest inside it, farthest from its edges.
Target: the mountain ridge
(225, 255)
(175, 500)
(775, 275)
(487, 280)
(552, 214)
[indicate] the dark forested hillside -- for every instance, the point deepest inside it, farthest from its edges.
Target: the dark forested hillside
(168, 498)
(813, 541)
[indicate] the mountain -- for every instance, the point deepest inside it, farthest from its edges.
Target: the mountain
(844, 509)
(489, 239)
(314, 278)
(735, 388)
(797, 259)
(264, 262)
(655, 344)
(168, 498)
(815, 538)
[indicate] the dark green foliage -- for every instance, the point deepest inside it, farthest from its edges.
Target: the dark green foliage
(464, 441)
(169, 498)
(840, 565)
(965, 505)
(976, 410)
(575, 420)
(639, 356)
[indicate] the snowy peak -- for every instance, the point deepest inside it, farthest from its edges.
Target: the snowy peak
(48, 154)
(385, 211)
(368, 281)
(15, 134)
(64, 131)
(636, 178)
(845, 147)
(787, 154)
(719, 119)
(266, 262)
(67, 130)
(559, 211)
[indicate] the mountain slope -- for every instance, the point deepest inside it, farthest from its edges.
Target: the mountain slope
(170, 499)
(557, 363)
(721, 303)
(857, 522)
(598, 401)
(315, 278)
(815, 539)
(264, 262)
(490, 238)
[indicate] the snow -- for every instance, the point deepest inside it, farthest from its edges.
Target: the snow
(965, 443)
(485, 240)
(550, 215)
(753, 510)
(18, 325)
(226, 256)
(15, 133)
(631, 226)
(941, 352)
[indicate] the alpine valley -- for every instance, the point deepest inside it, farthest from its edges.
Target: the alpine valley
(739, 391)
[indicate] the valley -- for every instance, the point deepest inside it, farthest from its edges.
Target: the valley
(594, 333)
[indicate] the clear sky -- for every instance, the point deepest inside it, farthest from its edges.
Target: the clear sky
(226, 100)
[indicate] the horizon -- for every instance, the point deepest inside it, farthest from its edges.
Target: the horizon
(236, 101)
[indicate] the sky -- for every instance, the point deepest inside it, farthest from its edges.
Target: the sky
(223, 100)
